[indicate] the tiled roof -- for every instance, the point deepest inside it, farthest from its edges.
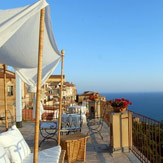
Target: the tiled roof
(87, 93)
(69, 84)
(56, 76)
(9, 74)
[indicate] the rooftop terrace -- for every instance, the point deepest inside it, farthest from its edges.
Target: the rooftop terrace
(98, 150)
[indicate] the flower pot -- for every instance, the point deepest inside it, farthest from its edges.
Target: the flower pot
(119, 109)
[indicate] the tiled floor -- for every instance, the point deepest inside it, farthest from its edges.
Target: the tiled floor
(98, 150)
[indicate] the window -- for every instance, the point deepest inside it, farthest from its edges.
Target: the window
(10, 91)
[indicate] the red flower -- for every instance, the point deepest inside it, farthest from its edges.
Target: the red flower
(125, 104)
(127, 101)
(120, 102)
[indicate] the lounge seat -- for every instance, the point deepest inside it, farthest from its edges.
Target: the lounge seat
(48, 155)
(13, 148)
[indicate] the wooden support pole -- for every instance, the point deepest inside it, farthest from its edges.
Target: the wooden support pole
(5, 96)
(60, 101)
(39, 75)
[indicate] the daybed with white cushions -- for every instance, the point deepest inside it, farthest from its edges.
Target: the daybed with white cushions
(14, 149)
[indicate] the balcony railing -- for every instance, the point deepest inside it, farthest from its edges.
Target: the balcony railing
(147, 136)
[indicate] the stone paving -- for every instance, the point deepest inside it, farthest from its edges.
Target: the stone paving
(98, 150)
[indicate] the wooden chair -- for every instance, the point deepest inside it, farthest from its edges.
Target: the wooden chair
(48, 127)
(48, 130)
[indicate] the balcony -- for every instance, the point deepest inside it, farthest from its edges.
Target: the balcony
(147, 141)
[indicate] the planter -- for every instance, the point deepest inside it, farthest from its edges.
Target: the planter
(119, 109)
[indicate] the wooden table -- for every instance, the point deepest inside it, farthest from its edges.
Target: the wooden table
(75, 146)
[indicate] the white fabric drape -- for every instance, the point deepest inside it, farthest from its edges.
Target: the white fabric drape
(34, 107)
(19, 40)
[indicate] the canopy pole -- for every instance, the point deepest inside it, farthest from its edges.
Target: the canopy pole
(39, 75)
(18, 102)
(60, 101)
(5, 96)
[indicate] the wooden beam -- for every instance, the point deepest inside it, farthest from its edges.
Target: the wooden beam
(39, 75)
(5, 96)
(60, 101)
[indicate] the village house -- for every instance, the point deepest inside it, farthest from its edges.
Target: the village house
(85, 96)
(92, 100)
(49, 93)
(11, 93)
(52, 91)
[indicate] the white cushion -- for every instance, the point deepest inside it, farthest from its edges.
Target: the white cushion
(3, 156)
(14, 145)
(50, 155)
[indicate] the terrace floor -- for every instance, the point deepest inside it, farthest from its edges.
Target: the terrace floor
(98, 150)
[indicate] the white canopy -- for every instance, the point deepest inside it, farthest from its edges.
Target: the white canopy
(19, 39)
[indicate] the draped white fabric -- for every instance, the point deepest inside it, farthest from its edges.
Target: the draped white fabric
(19, 40)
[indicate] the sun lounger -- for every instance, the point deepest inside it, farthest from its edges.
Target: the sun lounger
(13, 148)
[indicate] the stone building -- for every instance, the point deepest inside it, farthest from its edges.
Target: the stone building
(95, 105)
(51, 90)
(85, 96)
(10, 83)
(49, 93)
(11, 93)
(11, 87)
(93, 101)
(94, 108)
(69, 91)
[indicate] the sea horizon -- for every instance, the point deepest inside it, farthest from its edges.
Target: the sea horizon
(149, 104)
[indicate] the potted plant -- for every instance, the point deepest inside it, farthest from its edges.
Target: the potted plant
(94, 96)
(120, 105)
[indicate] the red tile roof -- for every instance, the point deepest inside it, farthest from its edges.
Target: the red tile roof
(9, 74)
(56, 76)
(69, 84)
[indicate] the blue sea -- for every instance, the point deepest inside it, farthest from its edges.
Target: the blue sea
(148, 104)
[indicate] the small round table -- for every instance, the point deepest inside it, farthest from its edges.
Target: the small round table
(75, 146)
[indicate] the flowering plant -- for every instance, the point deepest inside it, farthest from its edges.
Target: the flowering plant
(95, 96)
(123, 103)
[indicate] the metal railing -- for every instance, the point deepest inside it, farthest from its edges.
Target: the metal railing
(147, 136)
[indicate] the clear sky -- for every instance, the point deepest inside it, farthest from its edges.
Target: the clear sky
(110, 45)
